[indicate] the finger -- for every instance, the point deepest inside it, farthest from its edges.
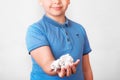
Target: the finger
(76, 62)
(61, 73)
(73, 69)
(68, 71)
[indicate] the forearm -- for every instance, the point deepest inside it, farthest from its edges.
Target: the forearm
(48, 69)
(88, 75)
(87, 68)
(44, 58)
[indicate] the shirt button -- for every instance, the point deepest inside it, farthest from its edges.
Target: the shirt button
(68, 39)
(66, 33)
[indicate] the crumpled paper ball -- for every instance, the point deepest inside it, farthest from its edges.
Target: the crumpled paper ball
(63, 61)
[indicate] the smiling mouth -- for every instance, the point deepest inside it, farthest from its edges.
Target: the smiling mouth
(57, 8)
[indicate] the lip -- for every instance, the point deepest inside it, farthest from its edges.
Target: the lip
(57, 8)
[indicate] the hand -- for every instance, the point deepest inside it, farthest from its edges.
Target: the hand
(68, 70)
(74, 65)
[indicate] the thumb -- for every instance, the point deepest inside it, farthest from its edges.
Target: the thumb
(77, 62)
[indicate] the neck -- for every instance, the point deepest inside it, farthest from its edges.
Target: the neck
(60, 19)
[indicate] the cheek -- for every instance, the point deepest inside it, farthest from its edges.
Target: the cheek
(46, 3)
(46, 6)
(68, 1)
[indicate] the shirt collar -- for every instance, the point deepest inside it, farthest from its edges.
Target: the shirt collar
(51, 21)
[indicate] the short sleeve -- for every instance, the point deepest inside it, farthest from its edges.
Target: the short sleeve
(86, 48)
(35, 37)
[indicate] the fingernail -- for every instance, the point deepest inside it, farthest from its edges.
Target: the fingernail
(78, 59)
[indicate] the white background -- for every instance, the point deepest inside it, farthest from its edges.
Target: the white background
(101, 19)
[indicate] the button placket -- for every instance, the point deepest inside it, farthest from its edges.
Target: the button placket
(67, 38)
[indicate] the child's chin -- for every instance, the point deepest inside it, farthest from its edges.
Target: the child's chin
(57, 13)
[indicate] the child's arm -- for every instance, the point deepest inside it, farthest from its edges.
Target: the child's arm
(87, 68)
(44, 58)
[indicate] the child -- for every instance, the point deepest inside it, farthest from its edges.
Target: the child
(53, 36)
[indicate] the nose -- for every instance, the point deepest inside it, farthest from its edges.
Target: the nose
(56, 1)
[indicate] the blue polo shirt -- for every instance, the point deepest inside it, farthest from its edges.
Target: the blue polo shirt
(69, 37)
